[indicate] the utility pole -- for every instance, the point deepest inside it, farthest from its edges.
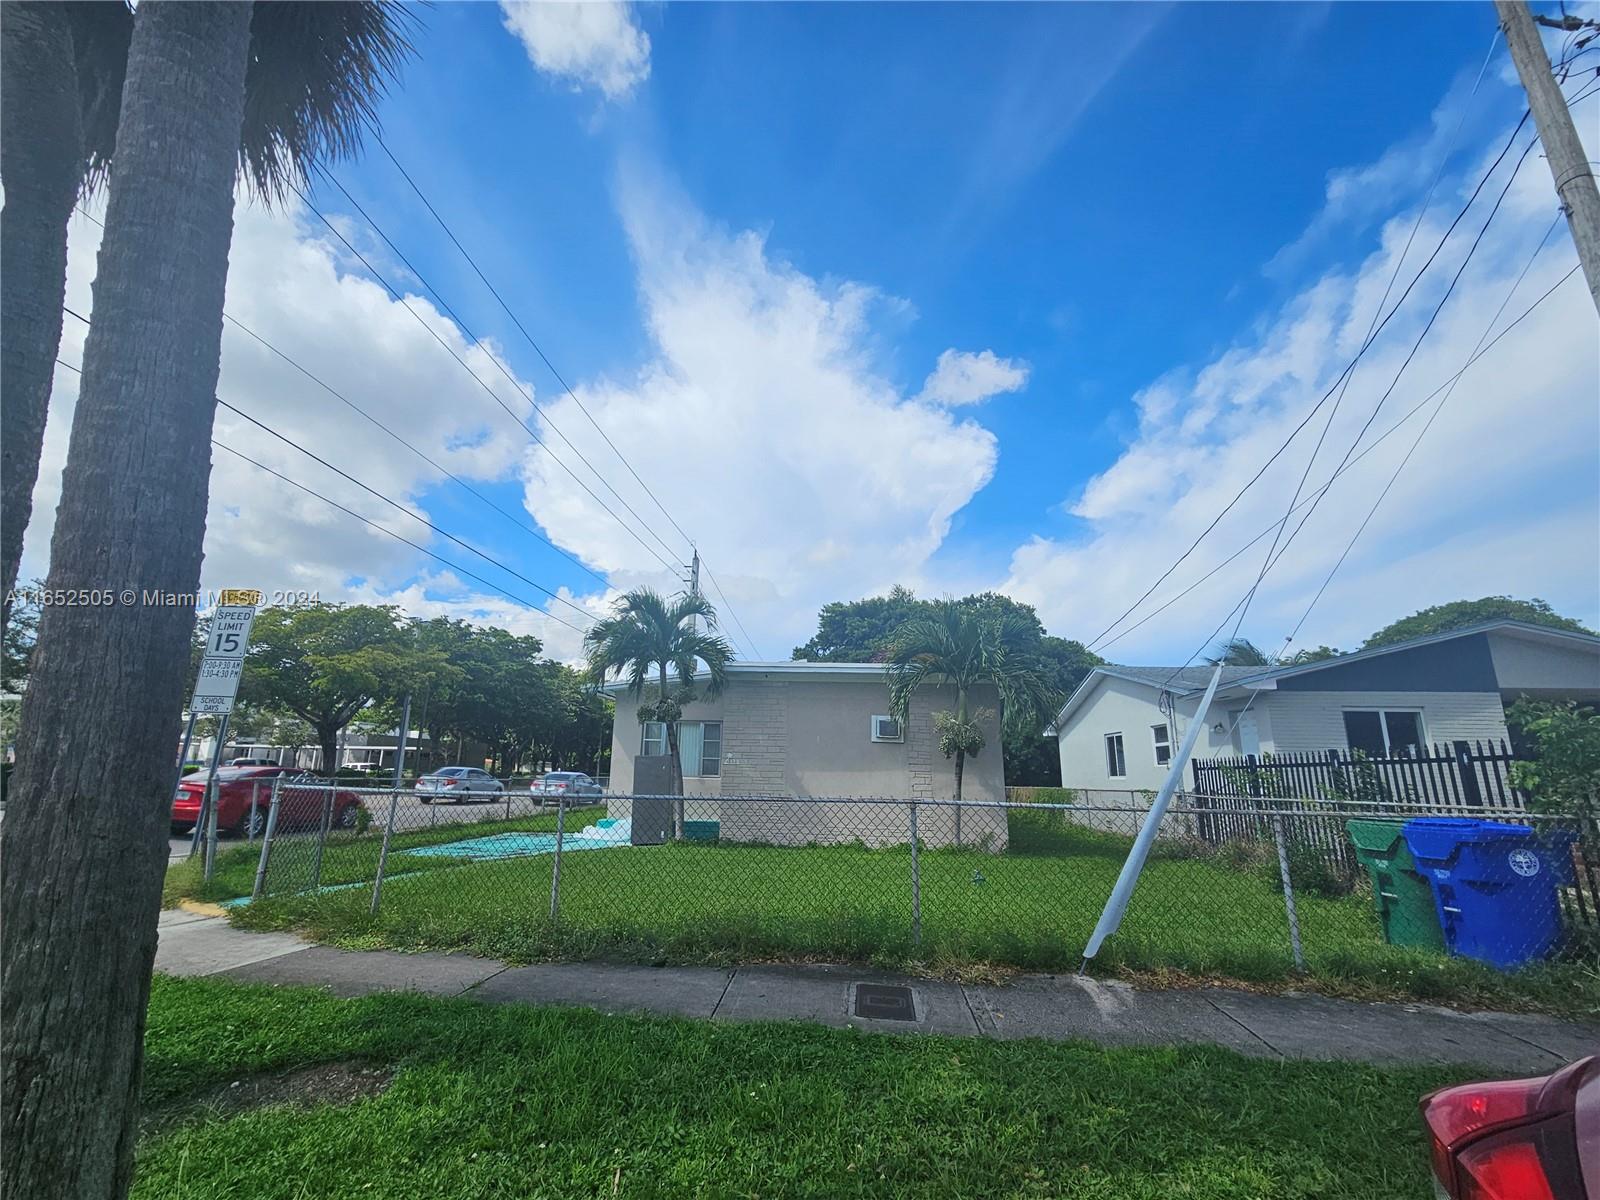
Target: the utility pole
(1569, 164)
(694, 583)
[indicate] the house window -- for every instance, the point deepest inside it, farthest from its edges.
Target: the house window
(699, 745)
(1163, 738)
(1384, 732)
(886, 729)
(1116, 762)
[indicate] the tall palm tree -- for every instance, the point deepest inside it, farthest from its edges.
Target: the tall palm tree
(84, 836)
(312, 80)
(1239, 652)
(649, 634)
(956, 647)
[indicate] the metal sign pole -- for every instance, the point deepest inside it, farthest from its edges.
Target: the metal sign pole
(211, 777)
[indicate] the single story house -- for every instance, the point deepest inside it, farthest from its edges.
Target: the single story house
(783, 731)
(1121, 726)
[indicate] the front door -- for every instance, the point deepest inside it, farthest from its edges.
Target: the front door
(1249, 735)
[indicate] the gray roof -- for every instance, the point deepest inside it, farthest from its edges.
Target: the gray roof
(1182, 679)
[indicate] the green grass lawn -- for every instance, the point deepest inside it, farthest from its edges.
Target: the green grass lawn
(1031, 908)
(522, 1102)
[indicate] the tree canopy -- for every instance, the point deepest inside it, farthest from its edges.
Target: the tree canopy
(1441, 618)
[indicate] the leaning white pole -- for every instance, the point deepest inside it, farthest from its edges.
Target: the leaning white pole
(1126, 881)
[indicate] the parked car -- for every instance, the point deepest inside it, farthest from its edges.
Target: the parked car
(565, 783)
(302, 798)
(458, 784)
(1518, 1139)
(252, 762)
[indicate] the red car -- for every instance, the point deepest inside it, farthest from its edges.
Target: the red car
(300, 801)
(1518, 1139)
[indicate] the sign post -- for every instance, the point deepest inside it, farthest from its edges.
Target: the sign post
(218, 682)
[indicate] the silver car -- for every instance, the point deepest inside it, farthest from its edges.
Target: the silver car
(455, 785)
(566, 783)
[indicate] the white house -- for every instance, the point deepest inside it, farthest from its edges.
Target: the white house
(1121, 725)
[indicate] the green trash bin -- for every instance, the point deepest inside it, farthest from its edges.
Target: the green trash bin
(1403, 899)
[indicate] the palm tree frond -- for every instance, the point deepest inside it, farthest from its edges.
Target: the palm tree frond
(317, 72)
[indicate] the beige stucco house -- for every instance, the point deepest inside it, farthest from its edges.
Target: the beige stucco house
(784, 737)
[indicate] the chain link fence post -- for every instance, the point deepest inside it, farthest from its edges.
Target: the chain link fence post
(555, 869)
(916, 882)
(266, 840)
(322, 839)
(1288, 891)
(383, 852)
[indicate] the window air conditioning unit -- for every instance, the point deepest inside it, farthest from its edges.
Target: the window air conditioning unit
(886, 729)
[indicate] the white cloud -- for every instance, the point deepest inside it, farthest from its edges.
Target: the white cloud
(962, 377)
(287, 281)
(765, 428)
(590, 43)
(1499, 497)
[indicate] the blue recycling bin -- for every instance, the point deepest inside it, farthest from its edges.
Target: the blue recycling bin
(1494, 885)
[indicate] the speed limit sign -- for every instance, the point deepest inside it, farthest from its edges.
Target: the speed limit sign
(223, 663)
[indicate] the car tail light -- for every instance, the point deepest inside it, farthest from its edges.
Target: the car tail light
(449, 782)
(1508, 1140)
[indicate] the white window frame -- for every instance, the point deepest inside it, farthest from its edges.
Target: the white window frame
(1122, 755)
(900, 736)
(1161, 737)
(646, 740)
(1383, 724)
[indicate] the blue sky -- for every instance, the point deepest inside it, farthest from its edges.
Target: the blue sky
(1143, 238)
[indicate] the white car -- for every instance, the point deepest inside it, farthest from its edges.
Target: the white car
(458, 784)
(566, 783)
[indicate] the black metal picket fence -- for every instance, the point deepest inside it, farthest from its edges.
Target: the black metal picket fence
(1463, 774)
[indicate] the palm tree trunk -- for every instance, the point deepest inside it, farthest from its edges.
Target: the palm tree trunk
(41, 159)
(961, 756)
(85, 834)
(677, 766)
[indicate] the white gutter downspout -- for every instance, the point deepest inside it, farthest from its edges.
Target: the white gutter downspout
(1111, 917)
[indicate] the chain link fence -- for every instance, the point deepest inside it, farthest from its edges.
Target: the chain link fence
(1253, 889)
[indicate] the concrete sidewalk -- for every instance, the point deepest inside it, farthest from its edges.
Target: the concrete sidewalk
(1053, 1007)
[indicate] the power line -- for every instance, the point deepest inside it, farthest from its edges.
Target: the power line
(738, 623)
(1327, 426)
(506, 308)
(457, 568)
(395, 504)
(1294, 433)
(495, 396)
(538, 350)
(1422, 433)
(363, 413)
(1168, 603)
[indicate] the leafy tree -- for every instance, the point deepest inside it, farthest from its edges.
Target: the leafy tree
(326, 663)
(20, 632)
(1441, 618)
(313, 75)
(1310, 654)
(1562, 775)
(647, 633)
(964, 649)
(860, 630)
(1239, 652)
